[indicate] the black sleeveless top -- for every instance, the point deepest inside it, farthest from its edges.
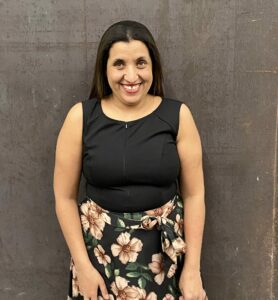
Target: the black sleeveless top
(131, 166)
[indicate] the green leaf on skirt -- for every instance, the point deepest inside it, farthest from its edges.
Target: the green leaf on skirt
(116, 272)
(119, 229)
(127, 215)
(170, 288)
(132, 266)
(94, 242)
(133, 274)
(180, 204)
(147, 276)
(120, 223)
(108, 271)
(142, 282)
(137, 216)
(143, 267)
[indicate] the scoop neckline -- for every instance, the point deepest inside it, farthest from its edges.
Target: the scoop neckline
(131, 121)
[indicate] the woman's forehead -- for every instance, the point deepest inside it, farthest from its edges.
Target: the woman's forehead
(132, 48)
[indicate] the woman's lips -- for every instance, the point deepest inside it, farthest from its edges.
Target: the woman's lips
(131, 88)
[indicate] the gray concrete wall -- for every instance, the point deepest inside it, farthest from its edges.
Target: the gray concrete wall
(219, 57)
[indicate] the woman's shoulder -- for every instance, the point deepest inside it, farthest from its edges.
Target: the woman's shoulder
(187, 123)
(185, 111)
(75, 112)
(175, 101)
(73, 122)
(180, 106)
(71, 130)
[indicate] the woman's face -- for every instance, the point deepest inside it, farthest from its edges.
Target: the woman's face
(129, 71)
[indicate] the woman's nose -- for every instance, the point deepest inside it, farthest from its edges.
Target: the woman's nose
(131, 74)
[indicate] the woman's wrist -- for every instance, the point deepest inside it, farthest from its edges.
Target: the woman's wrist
(191, 266)
(82, 263)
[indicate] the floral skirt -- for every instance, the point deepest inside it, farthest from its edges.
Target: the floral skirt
(139, 255)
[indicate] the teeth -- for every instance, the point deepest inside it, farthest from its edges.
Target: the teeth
(132, 87)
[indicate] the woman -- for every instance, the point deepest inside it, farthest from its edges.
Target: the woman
(136, 148)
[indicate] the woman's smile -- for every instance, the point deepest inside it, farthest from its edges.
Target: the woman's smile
(131, 88)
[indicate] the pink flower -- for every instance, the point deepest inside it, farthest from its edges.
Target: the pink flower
(143, 295)
(169, 250)
(121, 289)
(172, 270)
(179, 225)
(101, 256)
(162, 211)
(179, 246)
(126, 249)
(157, 267)
(93, 217)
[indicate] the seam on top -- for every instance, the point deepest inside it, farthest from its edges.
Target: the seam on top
(168, 123)
(178, 123)
(83, 124)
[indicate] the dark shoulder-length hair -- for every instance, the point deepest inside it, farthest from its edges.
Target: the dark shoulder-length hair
(125, 31)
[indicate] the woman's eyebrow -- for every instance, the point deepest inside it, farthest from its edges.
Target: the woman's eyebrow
(122, 60)
(141, 57)
(118, 60)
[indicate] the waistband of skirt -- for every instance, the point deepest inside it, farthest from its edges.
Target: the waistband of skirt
(123, 219)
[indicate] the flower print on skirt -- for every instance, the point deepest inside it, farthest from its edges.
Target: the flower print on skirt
(139, 255)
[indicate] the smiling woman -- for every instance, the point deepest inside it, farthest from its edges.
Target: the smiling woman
(140, 154)
(129, 72)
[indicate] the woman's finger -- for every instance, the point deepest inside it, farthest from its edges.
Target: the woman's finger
(103, 290)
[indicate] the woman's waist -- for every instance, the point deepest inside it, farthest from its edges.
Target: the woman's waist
(131, 198)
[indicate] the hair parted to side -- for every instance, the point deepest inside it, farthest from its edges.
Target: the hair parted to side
(125, 31)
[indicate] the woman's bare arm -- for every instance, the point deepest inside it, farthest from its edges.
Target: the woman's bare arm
(67, 173)
(193, 193)
(191, 186)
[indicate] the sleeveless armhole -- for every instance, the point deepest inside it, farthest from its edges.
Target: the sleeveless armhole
(86, 111)
(174, 118)
(171, 114)
(88, 107)
(178, 118)
(83, 123)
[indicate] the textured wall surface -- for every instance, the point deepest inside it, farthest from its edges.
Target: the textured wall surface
(219, 57)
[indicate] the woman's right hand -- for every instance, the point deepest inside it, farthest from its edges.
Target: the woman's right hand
(89, 279)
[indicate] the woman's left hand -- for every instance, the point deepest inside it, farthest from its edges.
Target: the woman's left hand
(191, 286)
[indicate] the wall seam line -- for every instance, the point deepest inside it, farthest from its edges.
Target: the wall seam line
(274, 209)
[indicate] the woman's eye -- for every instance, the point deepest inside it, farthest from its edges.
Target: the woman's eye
(118, 64)
(141, 63)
